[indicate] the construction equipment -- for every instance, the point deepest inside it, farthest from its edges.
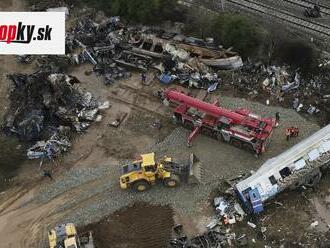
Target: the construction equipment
(240, 127)
(144, 172)
(65, 236)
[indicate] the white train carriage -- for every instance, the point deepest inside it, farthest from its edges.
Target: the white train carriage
(296, 166)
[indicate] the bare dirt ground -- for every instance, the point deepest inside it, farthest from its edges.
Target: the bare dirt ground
(13, 5)
(140, 225)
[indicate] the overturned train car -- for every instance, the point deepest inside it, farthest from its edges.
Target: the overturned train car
(299, 165)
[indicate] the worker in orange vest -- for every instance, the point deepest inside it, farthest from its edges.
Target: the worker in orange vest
(295, 131)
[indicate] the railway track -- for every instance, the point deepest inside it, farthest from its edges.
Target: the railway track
(284, 16)
(305, 3)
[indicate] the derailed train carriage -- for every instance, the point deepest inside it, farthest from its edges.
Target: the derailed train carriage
(297, 166)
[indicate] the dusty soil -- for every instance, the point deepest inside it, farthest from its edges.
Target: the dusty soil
(13, 5)
(141, 225)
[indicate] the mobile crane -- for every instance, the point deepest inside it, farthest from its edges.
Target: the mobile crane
(239, 127)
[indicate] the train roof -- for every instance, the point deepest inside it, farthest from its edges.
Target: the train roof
(319, 140)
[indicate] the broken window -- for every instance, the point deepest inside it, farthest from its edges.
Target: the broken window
(285, 172)
(245, 193)
(273, 180)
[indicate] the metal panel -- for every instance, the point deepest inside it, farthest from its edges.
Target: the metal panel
(299, 164)
(313, 154)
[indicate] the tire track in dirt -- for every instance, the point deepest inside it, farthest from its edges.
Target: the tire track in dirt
(139, 100)
(34, 217)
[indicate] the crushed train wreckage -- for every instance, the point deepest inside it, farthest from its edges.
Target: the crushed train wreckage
(113, 48)
(154, 46)
(46, 106)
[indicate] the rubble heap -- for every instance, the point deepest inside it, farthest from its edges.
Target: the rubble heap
(100, 44)
(282, 84)
(47, 106)
(114, 48)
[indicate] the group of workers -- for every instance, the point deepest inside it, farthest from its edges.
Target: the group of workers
(291, 132)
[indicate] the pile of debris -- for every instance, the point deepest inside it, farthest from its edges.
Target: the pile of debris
(284, 85)
(114, 48)
(191, 73)
(50, 148)
(181, 62)
(100, 44)
(228, 210)
(211, 238)
(220, 231)
(47, 106)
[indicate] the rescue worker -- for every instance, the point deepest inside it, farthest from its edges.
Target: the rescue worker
(143, 78)
(277, 118)
(295, 131)
(288, 133)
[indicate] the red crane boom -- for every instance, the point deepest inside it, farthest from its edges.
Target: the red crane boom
(239, 127)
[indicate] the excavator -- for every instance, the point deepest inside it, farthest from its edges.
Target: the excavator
(65, 236)
(141, 174)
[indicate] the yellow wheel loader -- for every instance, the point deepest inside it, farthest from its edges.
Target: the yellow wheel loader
(65, 236)
(145, 172)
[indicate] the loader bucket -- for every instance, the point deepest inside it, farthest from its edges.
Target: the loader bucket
(195, 170)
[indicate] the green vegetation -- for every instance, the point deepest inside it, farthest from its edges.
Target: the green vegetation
(237, 31)
(297, 53)
(230, 30)
(138, 11)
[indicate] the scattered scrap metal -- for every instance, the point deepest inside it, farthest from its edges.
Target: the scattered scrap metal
(114, 48)
(209, 239)
(45, 107)
(282, 84)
